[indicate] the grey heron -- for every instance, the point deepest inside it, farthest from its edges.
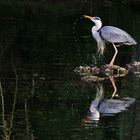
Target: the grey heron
(109, 34)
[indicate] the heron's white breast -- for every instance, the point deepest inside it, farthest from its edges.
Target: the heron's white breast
(96, 36)
(99, 40)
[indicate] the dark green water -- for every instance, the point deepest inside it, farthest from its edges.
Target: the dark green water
(41, 43)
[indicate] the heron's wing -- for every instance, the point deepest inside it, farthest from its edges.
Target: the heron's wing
(116, 35)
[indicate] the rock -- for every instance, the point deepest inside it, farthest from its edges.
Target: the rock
(102, 71)
(134, 67)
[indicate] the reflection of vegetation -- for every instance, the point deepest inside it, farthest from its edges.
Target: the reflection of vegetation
(7, 126)
(8, 122)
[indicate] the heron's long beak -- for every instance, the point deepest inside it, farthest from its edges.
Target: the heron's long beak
(88, 17)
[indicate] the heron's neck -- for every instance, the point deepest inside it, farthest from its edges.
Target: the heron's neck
(97, 26)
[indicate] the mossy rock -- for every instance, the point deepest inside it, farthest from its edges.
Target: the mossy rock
(102, 71)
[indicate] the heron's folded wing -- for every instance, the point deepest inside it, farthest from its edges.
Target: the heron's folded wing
(116, 35)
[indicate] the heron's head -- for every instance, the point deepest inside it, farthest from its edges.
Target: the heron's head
(96, 20)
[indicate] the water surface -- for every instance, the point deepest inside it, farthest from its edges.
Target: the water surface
(41, 43)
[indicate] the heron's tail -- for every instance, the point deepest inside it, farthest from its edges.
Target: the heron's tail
(101, 47)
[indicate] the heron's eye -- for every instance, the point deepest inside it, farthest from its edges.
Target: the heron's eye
(97, 18)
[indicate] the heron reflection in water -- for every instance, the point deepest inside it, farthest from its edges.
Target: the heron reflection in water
(107, 106)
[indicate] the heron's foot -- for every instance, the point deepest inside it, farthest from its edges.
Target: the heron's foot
(111, 69)
(109, 65)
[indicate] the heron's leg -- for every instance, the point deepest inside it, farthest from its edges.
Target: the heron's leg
(113, 59)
